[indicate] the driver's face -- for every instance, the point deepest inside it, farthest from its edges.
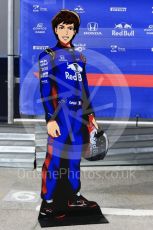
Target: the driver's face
(65, 32)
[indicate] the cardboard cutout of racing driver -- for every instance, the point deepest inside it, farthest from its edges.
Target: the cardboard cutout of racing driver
(65, 96)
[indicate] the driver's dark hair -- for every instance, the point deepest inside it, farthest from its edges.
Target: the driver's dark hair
(67, 17)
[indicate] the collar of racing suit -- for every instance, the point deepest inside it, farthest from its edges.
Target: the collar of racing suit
(60, 45)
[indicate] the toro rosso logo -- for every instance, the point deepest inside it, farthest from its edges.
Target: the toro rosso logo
(77, 72)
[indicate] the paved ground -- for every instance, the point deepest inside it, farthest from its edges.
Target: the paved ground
(125, 196)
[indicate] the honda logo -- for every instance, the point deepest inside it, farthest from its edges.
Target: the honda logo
(92, 26)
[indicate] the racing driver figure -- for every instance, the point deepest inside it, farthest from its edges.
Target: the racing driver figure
(65, 96)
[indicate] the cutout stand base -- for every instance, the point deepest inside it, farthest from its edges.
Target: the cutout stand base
(74, 216)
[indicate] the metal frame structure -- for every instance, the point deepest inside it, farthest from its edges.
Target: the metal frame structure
(10, 61)
(106, 122)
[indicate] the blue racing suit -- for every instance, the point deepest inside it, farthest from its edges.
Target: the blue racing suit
(65, 97)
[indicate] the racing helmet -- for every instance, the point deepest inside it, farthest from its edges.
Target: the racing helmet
(98, 144)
